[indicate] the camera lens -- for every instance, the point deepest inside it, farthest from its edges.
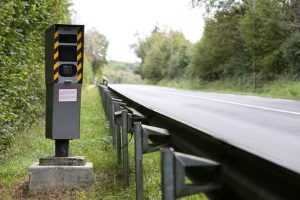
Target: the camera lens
(67, 70)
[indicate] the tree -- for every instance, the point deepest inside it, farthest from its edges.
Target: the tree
(164, 54)
(263, 35)
(291, 56)
(180, 55)
(213, 6)
(220, 51)
(245, 37)
(95, 49)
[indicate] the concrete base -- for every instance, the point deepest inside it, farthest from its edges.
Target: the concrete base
(64, 161)
(43, 178)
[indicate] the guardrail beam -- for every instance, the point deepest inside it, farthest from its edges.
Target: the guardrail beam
(154, 138)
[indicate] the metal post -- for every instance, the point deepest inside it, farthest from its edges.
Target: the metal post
(119, 151)
(167, 173)
(109, 111)
(61, 148)
(125, 148)
(138, 161)
(114, 126)
(105, 101)
(107, 104)
(112, 102)
(118, 123)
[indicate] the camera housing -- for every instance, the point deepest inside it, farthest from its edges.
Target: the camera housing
(64, 48)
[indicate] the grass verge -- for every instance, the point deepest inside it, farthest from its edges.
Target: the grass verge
(95, 143)
(275, 89)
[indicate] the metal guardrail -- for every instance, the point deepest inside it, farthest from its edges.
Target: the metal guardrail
(218, 169)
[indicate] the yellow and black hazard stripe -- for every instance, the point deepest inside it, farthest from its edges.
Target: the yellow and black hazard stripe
(79, 54)
(55, 57)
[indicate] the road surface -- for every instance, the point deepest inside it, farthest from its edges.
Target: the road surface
(266, 127)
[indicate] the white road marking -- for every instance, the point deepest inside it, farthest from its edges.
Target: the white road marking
(236, 103)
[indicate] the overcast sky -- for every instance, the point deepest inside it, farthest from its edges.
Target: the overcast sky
(120, 20)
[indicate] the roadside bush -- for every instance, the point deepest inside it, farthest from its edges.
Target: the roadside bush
(22, 25)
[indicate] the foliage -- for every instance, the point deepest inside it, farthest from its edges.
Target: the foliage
(88, 76)
(262, 31)
(248, 41)
(122, 72)
(95, 49)
(213, 5)
(291, 54)
(22, 24)
(220, 48)
(163, 54)
(263, 35)
(124, 66)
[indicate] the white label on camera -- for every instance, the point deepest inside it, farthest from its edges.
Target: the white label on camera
(67, 95)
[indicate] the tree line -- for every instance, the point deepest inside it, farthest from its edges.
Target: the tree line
(256, 40)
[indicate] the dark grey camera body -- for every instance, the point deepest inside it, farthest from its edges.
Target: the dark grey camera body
(64, 73)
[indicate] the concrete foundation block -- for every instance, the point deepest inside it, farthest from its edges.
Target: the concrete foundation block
(42, 178)
(64, 161)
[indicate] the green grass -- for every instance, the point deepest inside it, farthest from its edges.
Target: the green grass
(275, 89)
(95, 143)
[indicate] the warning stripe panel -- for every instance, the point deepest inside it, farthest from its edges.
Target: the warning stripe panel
(55, 76)
(56, 44)
(79, 55)
(79, 66)
(55, 66)
(55, 73)
(79, 76)
(55, 55)
(79, 46)
(56, 34)
(79, 35)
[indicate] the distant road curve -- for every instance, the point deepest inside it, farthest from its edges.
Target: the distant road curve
(266, 127)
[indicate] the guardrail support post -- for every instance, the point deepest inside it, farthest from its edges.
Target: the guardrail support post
(107, 104)
(167, 174)
(119, 144)
(142, 135)
(118, 121)
(114, 107)
(125, 148)
(203, 173)
(111, 107)
(138, 160)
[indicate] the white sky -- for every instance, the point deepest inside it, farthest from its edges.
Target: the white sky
(120, 20)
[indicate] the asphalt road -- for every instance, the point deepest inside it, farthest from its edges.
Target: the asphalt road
(266, 127)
